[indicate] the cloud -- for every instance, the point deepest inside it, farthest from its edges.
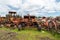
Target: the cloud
(15, 3)
(9, 5)
(34, 7)
(3, 10)
(42, 7)
(12, 7)
(48, 4)
(57, 0)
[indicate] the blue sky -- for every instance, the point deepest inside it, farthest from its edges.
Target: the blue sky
(32, 7)
(57, 0)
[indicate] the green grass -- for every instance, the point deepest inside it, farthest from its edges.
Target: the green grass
(33, 34)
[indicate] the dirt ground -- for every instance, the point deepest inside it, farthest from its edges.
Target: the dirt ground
(6, 35)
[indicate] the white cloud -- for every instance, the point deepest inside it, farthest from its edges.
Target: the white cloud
(48, 4)
(15, 3)
(3, 2)
(32, 6)
(42, 6)
(3, 10)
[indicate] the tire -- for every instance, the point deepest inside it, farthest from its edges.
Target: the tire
(19, 27)
(58, 29)
(51, 26)
(39, 28)
(35, 24)
(23, 24)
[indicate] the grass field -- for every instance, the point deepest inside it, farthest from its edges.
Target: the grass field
(34, 34)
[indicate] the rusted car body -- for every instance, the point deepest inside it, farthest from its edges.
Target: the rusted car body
(11, 20)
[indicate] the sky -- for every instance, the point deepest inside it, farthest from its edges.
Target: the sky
(32, 7)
